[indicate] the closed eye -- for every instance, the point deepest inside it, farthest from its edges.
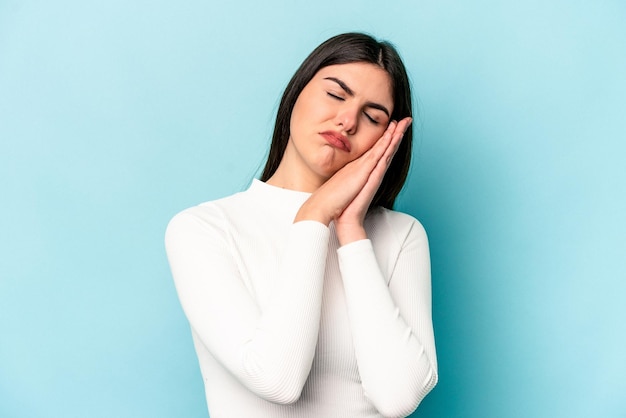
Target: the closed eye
(371, 119)
(334, 96)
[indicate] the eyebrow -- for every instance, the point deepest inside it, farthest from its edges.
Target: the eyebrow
(350, 92)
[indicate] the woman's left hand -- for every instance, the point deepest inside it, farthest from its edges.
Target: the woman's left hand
(349, 224)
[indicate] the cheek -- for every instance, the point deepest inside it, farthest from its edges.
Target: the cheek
(307, 106)
(369, 139)
(295, 115)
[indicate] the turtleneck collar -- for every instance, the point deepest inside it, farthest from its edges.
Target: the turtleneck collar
(278, 194)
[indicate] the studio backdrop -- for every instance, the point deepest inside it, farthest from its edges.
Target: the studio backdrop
(115, 115)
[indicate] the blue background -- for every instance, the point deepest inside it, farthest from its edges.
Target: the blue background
(115, 115)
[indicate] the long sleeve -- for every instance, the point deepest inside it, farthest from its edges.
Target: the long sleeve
(269, 350)
(391, 320)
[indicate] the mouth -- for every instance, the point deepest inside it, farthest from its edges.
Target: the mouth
(336, 140)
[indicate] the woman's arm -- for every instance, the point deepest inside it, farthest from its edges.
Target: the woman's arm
(269, 351)
(392, 323)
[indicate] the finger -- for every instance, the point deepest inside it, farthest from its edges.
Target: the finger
(397, 130)
(391, 127)
(403, 125)
(376, 152)
(397, 139)
(379, 170)
(383, 142)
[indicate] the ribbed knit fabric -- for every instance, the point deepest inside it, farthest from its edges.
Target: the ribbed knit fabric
(287, 324)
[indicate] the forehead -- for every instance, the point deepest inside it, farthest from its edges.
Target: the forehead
(366, 80)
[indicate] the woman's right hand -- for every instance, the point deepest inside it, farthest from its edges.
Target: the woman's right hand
(335, 195)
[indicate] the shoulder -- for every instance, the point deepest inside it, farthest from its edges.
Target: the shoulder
(395, 225)
(394, 234)
(205, 217)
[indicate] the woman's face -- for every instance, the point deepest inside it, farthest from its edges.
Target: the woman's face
(339, 115)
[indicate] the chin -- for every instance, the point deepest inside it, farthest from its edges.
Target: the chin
(325, 174)
(327, 171)
(326, 167)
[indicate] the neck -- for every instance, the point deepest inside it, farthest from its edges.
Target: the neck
(293, 176)
(286, 179)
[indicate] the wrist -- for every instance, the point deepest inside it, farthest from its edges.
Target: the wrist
(347, 234)
(309, 212)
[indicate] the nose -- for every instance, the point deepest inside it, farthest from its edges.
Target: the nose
(347, 119)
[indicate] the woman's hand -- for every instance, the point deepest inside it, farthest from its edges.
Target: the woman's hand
(346, 196)
(349, 225)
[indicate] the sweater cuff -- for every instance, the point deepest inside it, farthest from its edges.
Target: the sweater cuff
(311, 227)
(309, 223)
(356, 247)
(309, 235)
(357, 261)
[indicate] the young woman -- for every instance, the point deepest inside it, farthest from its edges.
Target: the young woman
(306, 294)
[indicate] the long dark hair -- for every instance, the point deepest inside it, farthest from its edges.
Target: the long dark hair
(344, 49)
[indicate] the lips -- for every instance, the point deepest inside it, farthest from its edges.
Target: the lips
(336, 140)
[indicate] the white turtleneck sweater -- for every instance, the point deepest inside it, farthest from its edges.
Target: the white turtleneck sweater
(288, 324)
